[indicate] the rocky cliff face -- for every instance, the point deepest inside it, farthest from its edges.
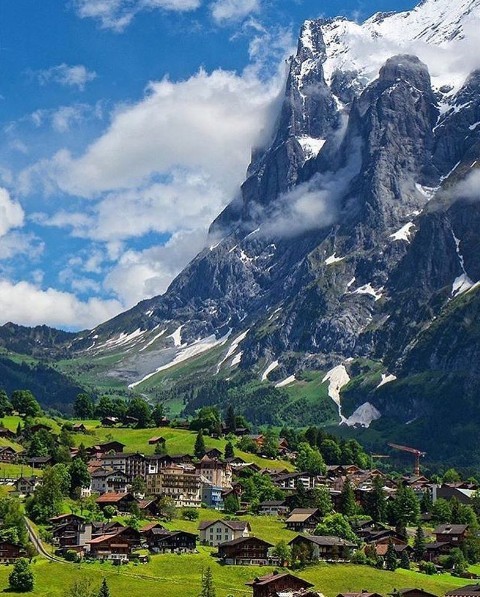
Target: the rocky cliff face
(355, 234)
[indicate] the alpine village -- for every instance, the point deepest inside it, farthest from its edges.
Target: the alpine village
(298, 414)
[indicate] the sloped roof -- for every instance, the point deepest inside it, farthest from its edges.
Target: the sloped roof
(235, 525)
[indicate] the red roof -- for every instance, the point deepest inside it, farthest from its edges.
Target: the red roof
(111, 498)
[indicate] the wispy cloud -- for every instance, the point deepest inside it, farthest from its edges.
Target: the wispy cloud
(228, 11)
(68, 76)
(11, 213)
(118, 14)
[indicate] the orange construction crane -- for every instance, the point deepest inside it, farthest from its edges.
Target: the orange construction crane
(415, 452)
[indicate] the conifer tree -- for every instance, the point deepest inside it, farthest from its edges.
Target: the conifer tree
(104, 590)
(208, 590)
(199, 449)
(348, 505)
(229, 452)
(391, 562)
(405, 560)
(419, 543)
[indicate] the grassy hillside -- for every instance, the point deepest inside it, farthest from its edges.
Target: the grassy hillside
(179, 441)
(179, 576)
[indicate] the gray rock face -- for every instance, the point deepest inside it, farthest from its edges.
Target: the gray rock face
(397, 249)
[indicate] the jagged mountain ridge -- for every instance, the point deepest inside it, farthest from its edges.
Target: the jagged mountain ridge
(345, 241)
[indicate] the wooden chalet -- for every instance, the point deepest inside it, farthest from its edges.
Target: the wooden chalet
(303, 519)
(6, 433)
(153, 441)
(149, 507)
(466, 591)
(10, 552)
(324, 547)
(214, 453)
(451, 533)
(8, 454)
(245, 551)
(39, 461)
(109, 421)
(276, 583)
(411, 593)
(117, 545)
(164, 422)
(113, 446)
(39, 427)
(70, 530)
(152, 525)
(163, 541)
(359, 594)
(273, 508)
(79, 428)
(106, 528)
(120, 501)
(399, 545)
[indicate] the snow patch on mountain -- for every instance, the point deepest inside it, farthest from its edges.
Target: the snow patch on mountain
(363, 416)
(236, 359)
(198, 347)
(176, 336)
(462, 283)
(363, 48)
(286, 382)
(386, 378)
(333, 259)
(404, 233)
(232, 349)
(268, 370)
(368, 289)
(154, 339)
(338, 378)
(311, 147)
(122, 340)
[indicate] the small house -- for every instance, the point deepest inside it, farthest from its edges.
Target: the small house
(277, 583)
(325, 548)
(120, 501)
(466, 591)
(245, 551)
(303, 519)
(10, 552)
(273, 508)
(163, 541)
(451, 533)
(214, 532)
(8, 454)
(157, 440)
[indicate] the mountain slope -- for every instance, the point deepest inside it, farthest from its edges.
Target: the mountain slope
(351, 250)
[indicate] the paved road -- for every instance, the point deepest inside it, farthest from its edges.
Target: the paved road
(37, 542)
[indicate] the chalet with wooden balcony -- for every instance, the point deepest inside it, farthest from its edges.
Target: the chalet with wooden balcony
(245, 551)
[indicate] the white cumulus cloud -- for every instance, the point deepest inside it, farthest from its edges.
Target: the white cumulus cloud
(144, 274)
(27, 304)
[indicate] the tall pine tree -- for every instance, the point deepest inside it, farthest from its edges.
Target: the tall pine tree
(419, 543)
(348, 505)
(104, 590)
(208, 590)
(199, 449)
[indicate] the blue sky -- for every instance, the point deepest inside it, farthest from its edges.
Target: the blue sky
(127, 126)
